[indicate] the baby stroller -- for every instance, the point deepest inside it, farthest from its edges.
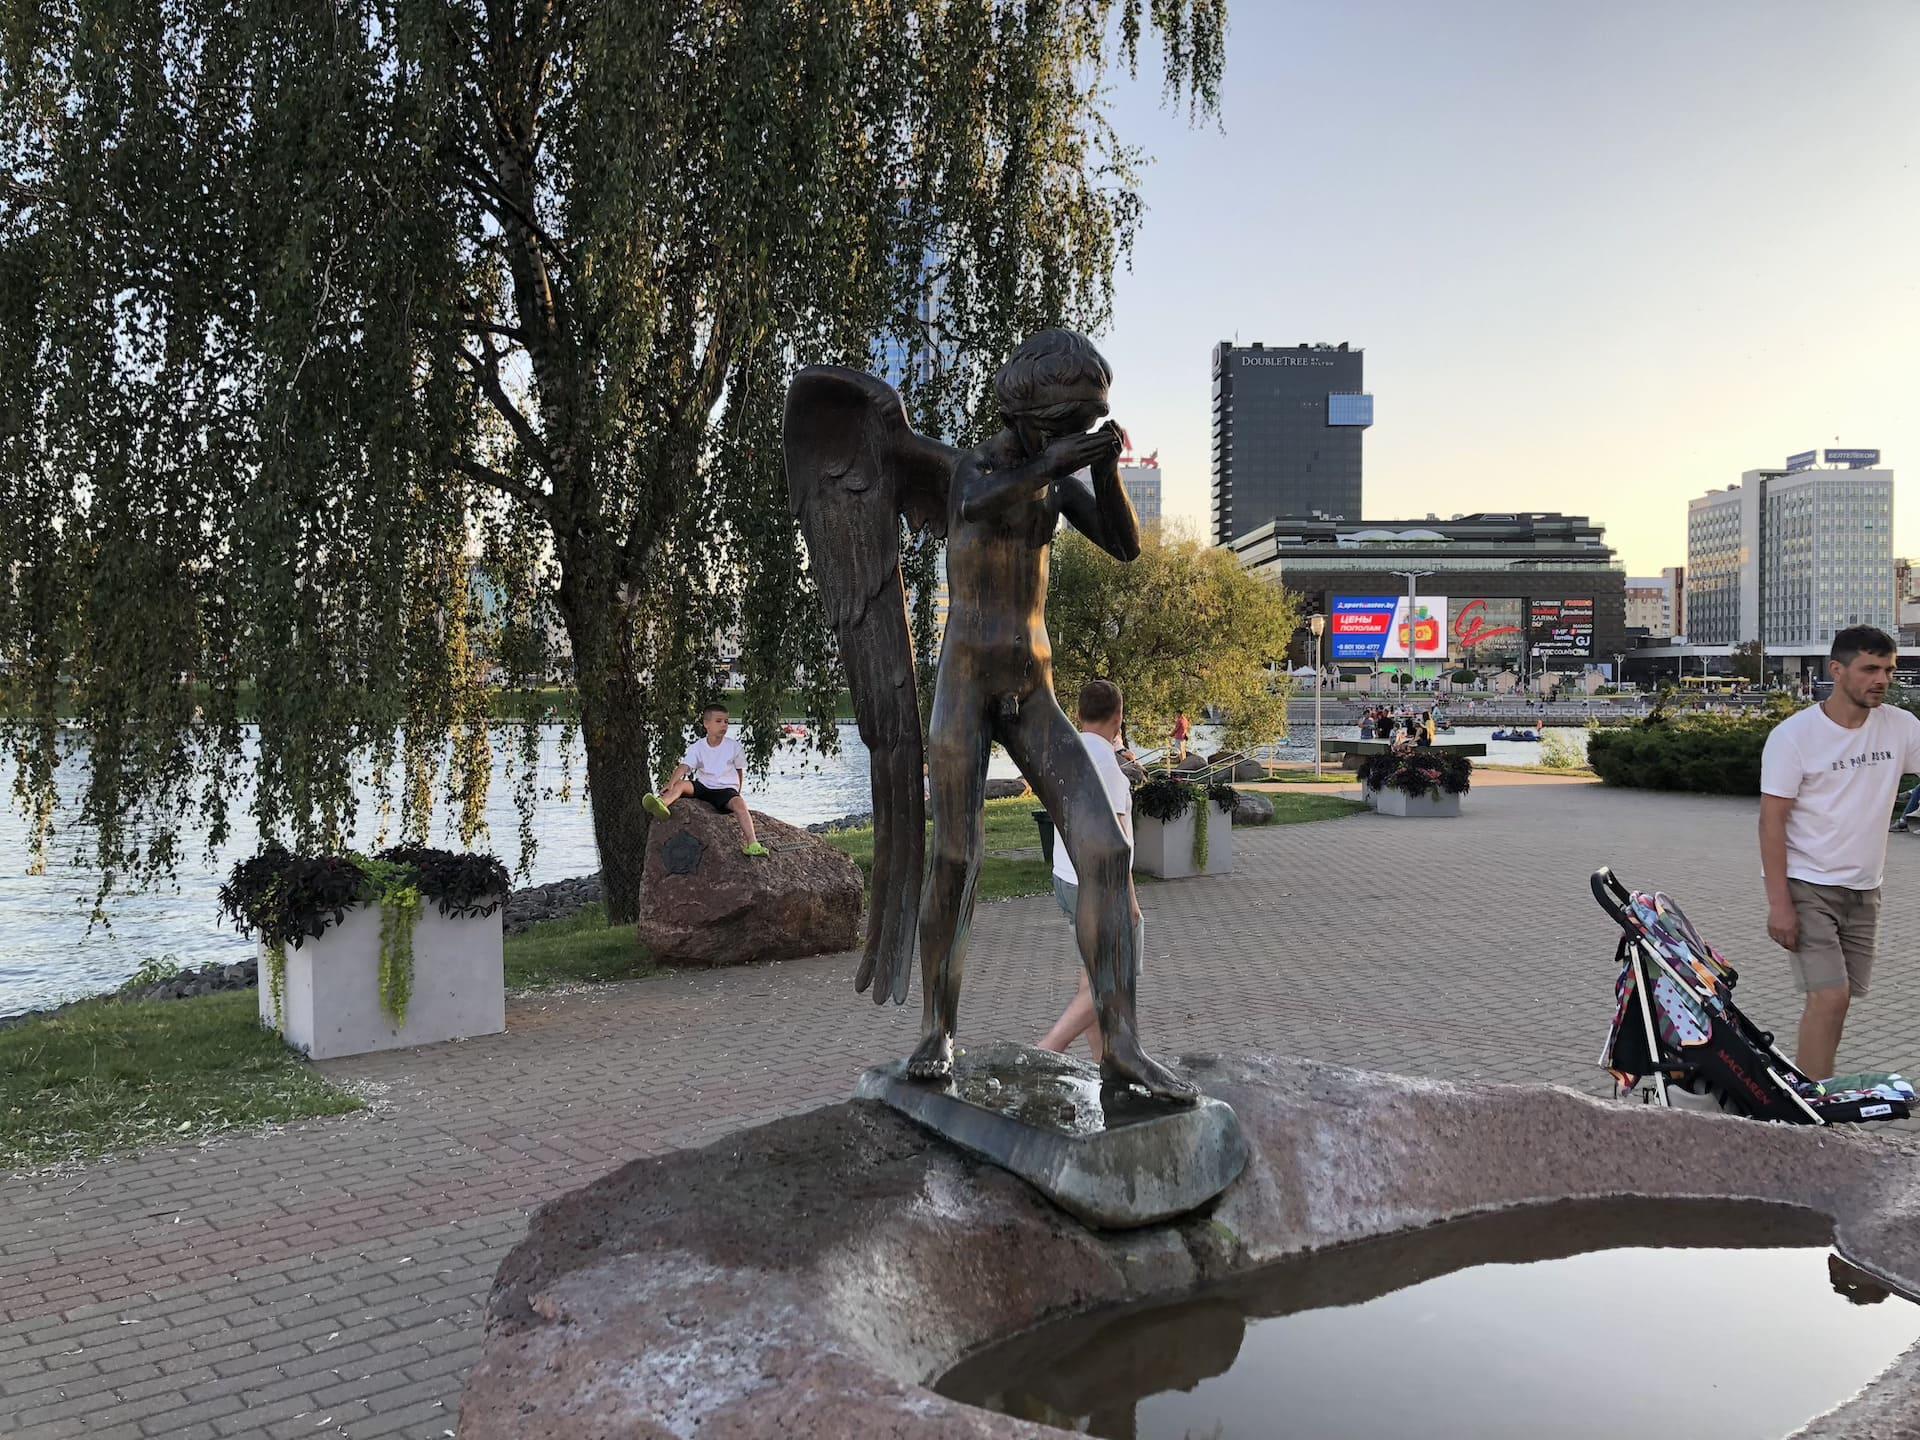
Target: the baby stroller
(1674, 1019)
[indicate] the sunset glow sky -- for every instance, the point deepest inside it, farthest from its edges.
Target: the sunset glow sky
(1600, 257)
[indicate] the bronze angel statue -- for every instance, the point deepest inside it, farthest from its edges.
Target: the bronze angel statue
(854, 468)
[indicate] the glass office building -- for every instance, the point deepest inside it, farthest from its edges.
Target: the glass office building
(1287, 427)
(1787, 557)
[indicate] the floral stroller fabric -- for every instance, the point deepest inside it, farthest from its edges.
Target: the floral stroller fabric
(1675, 1022)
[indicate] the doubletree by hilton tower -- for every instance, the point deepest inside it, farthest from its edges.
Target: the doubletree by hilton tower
(1287, 423)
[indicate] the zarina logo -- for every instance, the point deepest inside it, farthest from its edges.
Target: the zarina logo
(1426, 631)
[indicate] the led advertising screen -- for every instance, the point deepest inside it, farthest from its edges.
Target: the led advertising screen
(1357, 629)
(1374, 627)
(1561, 627)
(1487, 631)
(1346, 409)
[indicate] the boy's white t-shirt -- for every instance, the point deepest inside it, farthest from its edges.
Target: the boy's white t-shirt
(1106, 765)
(717, 767)
(1842, 783)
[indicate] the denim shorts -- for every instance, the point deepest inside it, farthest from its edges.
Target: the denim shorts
(1069, 898)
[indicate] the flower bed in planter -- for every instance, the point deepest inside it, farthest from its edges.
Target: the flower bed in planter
(1181, 829)
(360, 954)
(1417, 783)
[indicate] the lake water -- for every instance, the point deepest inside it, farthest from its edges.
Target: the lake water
(49, 952)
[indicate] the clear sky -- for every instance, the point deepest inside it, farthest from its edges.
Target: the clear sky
(1601, 256)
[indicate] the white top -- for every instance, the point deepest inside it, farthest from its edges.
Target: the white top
(717, 767)
(1842, 783)
(1106, 765)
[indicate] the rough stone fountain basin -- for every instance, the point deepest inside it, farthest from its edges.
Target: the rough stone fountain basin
(812, 1276)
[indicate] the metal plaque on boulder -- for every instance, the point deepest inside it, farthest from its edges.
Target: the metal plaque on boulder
(682, 854)
(1116, 1159)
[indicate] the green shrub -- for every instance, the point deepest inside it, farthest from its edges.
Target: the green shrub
(1557, 752)
(1708, 754)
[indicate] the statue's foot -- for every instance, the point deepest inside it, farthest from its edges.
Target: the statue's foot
(1125, 1063)
(932, 1059)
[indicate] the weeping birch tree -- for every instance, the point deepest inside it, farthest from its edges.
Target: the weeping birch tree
(360, 362)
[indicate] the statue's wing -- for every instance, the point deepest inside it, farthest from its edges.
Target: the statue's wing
(854, 467)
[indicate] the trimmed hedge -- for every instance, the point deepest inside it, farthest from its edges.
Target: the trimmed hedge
(1712, 755)
(1709, 754)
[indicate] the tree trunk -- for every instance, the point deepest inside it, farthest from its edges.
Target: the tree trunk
(619, 753)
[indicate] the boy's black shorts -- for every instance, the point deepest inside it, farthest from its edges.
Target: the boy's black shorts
(718, 799)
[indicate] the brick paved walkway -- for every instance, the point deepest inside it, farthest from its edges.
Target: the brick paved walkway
(330, 1278)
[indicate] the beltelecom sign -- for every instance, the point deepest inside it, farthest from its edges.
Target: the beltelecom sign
(1853, 459)
(1803, 461)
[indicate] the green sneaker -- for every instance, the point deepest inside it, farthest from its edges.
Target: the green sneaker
(655, 806)
(755, 849)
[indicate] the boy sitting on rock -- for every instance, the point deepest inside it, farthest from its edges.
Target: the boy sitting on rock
(714, 769)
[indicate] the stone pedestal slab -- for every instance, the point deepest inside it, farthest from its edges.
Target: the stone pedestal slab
(1117, 1160)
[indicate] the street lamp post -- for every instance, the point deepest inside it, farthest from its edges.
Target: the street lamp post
(1317, 624)
(1413, 642)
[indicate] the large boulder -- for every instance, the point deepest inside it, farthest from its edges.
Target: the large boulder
(1010, 788)
(1244, 771)
(704, 903)
(1251, 808)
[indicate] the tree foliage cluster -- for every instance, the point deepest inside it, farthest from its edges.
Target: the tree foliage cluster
(1183, 627)
(366, 354)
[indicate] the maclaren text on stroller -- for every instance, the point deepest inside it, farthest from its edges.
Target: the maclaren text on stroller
(1674, 1019)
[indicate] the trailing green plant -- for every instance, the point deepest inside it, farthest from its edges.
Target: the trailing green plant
(399, 910)
(1220, 795)
(276, 979)
(1418, 772)
(397, 894)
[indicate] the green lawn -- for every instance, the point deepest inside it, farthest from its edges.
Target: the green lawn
(106, 1077)
(581, 950)
(1295, 809)
(1013, 865)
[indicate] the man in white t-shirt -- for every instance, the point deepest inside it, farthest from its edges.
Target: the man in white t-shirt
(1102, 712)
(1828, 778)
(714, 771)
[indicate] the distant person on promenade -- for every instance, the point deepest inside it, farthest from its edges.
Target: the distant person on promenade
(1182, 728)
(713, 771)
(1828, 777)
(1100, 709)
(1900, 826)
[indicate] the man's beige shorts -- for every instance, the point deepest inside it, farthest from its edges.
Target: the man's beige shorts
(1838, 928)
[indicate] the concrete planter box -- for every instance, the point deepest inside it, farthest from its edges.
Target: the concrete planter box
(1166, 850)
(331, 1005)
(1371, 796)
(1436, 804)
